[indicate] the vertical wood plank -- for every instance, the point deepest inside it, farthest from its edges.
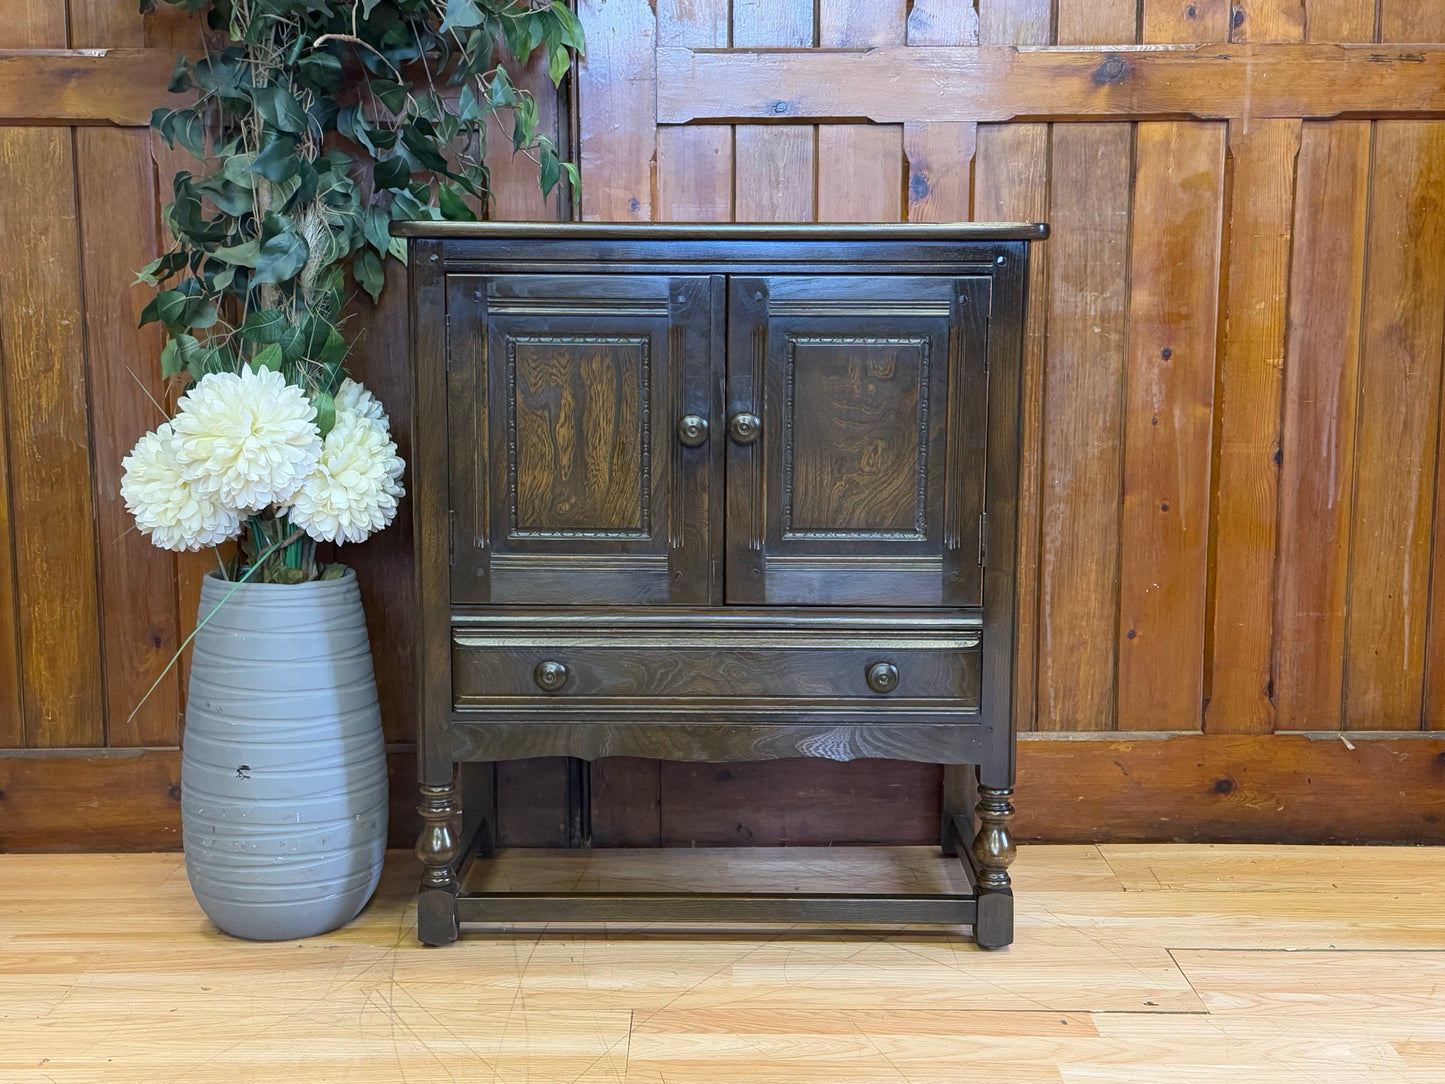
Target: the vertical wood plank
(626, 802)
(191, 568)
(1399, 423)
(862, 22)
(1268, 20)
(694, 173)
(773, 169)
(943, 22)
(1081, 442)
(41, 326)
(1397, 448)
(777, 23)
(1185, 20)
(1168, 407)
(1082, 425)
(384, 563)
(102, 24)
(1015, 22)
(1168, 419)
(33, 24)
(694, 23)
(939, 156)
(1340, 20)
(516, 189)
(1320, 404)
(1011, 183)
(1248, 424)
(1103, 22)
(138, 581)
(860, 172)
(617, 122)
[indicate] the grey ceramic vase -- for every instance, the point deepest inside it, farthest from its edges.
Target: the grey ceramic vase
(283, 767)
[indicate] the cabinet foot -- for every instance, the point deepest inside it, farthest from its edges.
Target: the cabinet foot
(438, 849)
(993, 852)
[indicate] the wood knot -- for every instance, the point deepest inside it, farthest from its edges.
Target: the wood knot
(1223, 786)
(918, 186)
(1114, 69)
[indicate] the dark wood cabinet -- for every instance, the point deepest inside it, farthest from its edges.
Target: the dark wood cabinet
(716, 493)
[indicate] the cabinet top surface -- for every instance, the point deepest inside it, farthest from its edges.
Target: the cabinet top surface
(673, 231)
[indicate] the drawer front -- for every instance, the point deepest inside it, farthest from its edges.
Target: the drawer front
(488, 668)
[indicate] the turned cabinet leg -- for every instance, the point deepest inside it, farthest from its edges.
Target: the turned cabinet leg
(993, 853)
(438, 849)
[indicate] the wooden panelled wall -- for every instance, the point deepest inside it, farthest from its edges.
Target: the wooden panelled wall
(1232, 623)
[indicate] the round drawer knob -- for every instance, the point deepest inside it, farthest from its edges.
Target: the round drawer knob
(550, 676)
(882, 677)
(692, 430)
(744, 428)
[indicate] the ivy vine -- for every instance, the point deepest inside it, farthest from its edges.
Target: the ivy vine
(316, 124)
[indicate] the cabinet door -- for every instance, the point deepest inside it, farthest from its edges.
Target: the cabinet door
(570, 482)
(861, 482)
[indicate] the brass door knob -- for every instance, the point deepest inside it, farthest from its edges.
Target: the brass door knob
(882, 677)
(550, 676)
(692, 430)
(744, 428)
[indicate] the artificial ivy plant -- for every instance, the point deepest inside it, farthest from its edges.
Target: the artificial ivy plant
(316, 123)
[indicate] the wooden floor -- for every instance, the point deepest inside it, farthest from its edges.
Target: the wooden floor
(1148, 964)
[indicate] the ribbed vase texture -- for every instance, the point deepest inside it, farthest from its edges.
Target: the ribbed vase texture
(283, 767)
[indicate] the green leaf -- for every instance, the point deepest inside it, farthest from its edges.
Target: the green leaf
(574, 181)
(460, 14)
(265, 326)
(392, 172)
(551, 170)
(335, 570)
(375, 227)
(170, 359)
(366, 266)
(453, 207)
(325, 412)
(278, 108)
(397, 248)
(281, 258)
(160, 269)
(268, 357)
(242, 255)
(277, 161)
(393, 95)
(571, 26)
(558, 61)
(180, 76)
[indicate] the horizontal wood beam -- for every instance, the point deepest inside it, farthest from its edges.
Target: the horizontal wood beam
(84, 86)
(894, 84)
(1193, 788)
(1219, 788)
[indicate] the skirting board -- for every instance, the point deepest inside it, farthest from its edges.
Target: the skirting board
(1084, 788)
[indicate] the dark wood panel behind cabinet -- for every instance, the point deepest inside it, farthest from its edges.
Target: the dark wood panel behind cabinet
(573, 481)
(855, 489)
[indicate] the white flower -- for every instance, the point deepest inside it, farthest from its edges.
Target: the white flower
(248, 439)
(165, 505)
(355, 487)
(355, 399)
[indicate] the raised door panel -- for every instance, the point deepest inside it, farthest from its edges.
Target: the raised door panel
(569, 481)
(864, 482)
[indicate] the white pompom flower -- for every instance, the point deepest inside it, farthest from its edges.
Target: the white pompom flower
(248, 439)
(356, 485)
(167, 507)
(353, 398)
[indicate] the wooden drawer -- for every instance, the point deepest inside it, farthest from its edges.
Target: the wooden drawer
(490, 667)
